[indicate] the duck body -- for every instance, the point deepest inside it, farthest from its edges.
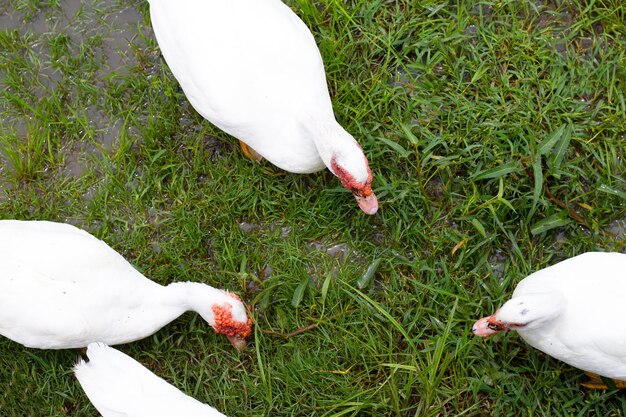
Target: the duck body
(252, 68)
(61, 287)
(119, 386)
(240, 71)
(573, 311)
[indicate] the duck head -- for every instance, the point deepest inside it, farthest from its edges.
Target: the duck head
(344, 157)
(523, 313)
(230, 318)
(355, 175)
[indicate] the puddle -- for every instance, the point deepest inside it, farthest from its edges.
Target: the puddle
(339, 251)
(107, 138)
(105, 131)
(100, 31)
(75, 166)
(497, 263)
(248, 227)
(618, 228)
(51, 38)
(100, 138)
(285, 231)
(121, 39)
(80, 21)
(262, 274)
(405, 77)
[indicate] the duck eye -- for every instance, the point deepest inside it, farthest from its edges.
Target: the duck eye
(495, 327)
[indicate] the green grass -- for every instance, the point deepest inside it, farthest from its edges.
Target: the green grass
(495, 131)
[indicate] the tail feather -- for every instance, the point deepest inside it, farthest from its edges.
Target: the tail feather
(119, 386)
(108, 384)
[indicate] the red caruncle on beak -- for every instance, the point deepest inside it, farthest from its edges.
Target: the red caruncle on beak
(365, 197)
(236, 331)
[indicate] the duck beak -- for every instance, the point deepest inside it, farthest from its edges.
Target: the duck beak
(489, 325)
(481, 328)
(238, 342)
(368, 204)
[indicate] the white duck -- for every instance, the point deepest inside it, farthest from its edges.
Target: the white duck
(61, 287)
(252, 68)
(573, 311)
(119, 386)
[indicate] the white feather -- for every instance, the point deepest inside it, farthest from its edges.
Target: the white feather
(574, 311)
(119, 386)
(252, 68)
(61, 287)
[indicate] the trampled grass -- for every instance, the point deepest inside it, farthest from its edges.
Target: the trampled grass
(496, 135)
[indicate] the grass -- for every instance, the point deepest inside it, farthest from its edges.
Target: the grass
(495, 132)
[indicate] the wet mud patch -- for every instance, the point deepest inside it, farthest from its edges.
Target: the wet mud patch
(60, 62)
(75, 47)
(618, 229)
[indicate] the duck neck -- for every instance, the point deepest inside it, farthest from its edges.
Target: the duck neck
(194, 296)
(330, 139)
